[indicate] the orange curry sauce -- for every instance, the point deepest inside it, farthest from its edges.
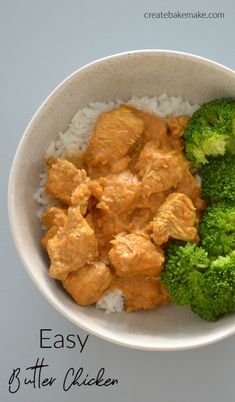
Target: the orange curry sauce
(118, 205)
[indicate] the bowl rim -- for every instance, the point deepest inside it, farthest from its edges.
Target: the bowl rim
(11, 184)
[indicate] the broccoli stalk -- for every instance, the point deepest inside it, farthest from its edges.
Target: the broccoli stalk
(210, 131)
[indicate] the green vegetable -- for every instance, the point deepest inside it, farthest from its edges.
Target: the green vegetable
(217, 229)
(210, 131)
(218, 290)
(183, 271)
(218, 178)
(204, 277)
(191, 279)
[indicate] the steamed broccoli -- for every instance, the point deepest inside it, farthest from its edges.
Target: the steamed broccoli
(183, 271)
(217, 229)
(208, 287)
(210, 131)
(218, 178)
(219, 290)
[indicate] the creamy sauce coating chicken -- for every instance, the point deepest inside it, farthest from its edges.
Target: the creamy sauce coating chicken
(73, 246)
(134, 254)
(89, 283)
(118, 204)
(177, 219)
(141, 293)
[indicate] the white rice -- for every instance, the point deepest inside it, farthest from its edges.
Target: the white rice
(75, 140)
(112, 301)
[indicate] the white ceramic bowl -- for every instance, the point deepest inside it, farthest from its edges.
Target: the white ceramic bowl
(139, 73)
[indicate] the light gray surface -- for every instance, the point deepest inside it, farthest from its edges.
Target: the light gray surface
(41, 43)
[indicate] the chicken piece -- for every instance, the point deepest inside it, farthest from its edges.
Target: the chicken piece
(117, 195)
(113, 135)
(78, 160)
(141, 293)
(103, 240)
(81, 196)
(153, 202)
(190, 186)
(73, 246)
(176, 218)
(88, 284)
(177, 125)
(53, 219)
(159, 170)
(140, 219)
(134, 254)
(155, 128)
(135, 153)
(63, 178)
(120, 165)
(54, 216)
(146, 210)
(164, 293)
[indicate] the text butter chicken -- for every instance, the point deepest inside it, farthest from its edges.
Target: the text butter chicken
(117, 206)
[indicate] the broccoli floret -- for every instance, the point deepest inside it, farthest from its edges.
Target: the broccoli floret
(192, 279)
(183, 271)
(218, 178)
(217, 229)
(210, 131)
(201, 302)
(218, 291)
